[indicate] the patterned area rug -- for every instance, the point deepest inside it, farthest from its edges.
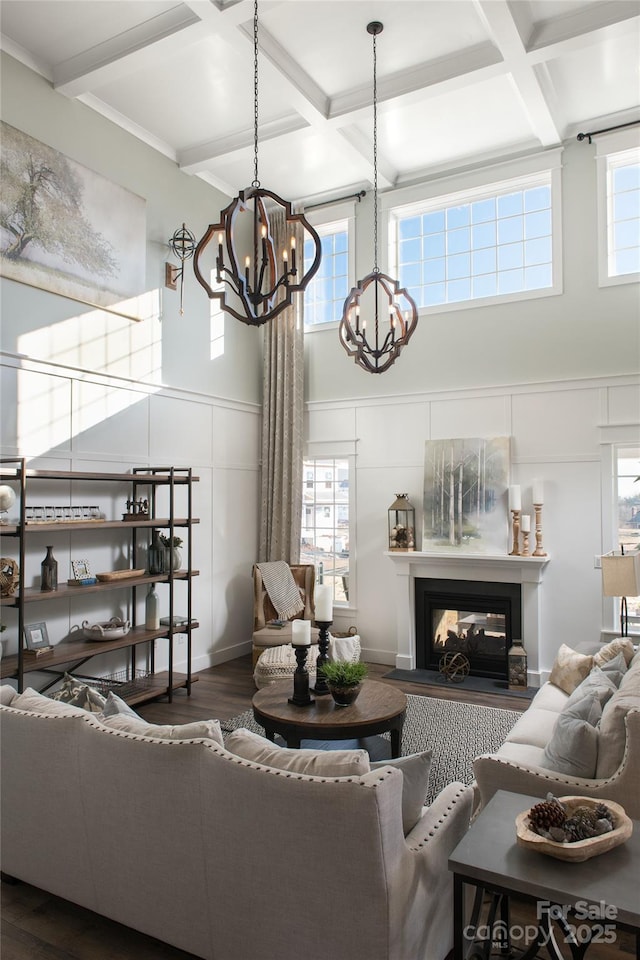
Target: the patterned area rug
(455, 732)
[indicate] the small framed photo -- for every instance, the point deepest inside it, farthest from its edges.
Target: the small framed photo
(36, 636)
(81, 570)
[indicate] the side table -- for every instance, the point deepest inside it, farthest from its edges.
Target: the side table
(587, 901)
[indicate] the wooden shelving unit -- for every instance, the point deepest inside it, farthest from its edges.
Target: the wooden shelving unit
(74, 653)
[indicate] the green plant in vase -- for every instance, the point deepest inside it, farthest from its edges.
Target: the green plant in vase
(344, 679)
(172, 552)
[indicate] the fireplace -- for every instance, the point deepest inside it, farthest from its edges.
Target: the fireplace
(477, 619)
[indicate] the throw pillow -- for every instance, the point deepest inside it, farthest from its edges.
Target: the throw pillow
(208, 729)
(415, 772)
(570, 668)
(612, 649)
(597, 684)
(315, 763)
(573, 748)
(35, 702)
(613, 729)
(115, 705)
(615, 668)
(78, 693)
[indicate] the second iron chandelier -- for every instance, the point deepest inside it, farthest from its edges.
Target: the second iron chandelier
(379, 316)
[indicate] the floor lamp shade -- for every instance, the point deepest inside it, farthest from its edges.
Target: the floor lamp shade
(621, 575)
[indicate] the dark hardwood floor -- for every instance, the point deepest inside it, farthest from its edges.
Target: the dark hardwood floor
(39, 926)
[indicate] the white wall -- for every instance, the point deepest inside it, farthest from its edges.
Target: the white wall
(85, 390)
(558, 375)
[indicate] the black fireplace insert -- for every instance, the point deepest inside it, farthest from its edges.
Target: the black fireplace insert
(477, 619)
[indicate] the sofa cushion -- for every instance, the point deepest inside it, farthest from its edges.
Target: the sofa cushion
(31, 700)
(200, 729)
(78, 693)
(598, 684)
(316, 763)
(570, 668)
(7, 694)
(573, 748)
(549, 697)
(415, 782)
(612, 725)
(610, 650)
(524, 754)
(114, 705)
(534, 726)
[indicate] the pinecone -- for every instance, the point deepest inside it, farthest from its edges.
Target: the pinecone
(578, 829)
(602, 812)
(549, 813)
(586, 815)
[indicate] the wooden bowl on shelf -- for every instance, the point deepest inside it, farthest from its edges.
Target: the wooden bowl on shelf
(581, 849)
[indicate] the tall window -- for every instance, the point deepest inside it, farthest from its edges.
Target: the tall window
(325, 295)
(628, 513)
(491, 242)
(325, 522)
(623, 213)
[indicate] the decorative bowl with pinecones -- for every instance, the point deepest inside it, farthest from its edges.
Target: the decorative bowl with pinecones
(573, 828)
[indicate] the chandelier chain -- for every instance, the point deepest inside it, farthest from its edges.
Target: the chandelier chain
(256, 182)
(376, 268)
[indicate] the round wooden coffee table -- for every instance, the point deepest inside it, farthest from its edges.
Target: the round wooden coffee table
(379, 707)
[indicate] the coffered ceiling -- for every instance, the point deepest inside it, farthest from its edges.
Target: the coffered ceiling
(459, 81)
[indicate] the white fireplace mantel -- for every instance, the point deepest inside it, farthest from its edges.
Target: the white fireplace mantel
(491, 568)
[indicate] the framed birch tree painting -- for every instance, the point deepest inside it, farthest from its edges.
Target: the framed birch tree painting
(66, 229)
(465, 495)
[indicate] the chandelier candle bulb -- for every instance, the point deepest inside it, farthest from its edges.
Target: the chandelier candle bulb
(515, 500)
(324, 603)
(538, 491)
(301, 633)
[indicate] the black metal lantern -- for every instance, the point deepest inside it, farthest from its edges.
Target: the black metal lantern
(402, 524)
(517, 666)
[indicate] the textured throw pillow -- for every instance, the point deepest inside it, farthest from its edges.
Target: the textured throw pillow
(615, 668)
(597, 684)
(209, 729)
(78, 693)
(613, 731)
(415, 772)
(610, 650)
(35, 702)
(569, 668)
(114, 705)
(573, 748)
(315, 763)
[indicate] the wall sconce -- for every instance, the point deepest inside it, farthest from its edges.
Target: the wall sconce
(182, 244)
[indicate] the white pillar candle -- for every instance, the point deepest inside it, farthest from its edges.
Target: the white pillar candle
(324, 603)
(525, 522)
(515, 502)
(538, 491)
(301, 633)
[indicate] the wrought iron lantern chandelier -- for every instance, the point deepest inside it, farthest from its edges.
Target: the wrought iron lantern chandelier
(391, 310)
(254, 282)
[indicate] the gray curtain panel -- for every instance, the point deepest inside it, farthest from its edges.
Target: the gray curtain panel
(282, 418)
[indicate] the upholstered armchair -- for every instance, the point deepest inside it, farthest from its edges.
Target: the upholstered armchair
(263, 610)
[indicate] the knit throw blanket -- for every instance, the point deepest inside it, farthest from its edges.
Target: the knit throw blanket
(282, 589)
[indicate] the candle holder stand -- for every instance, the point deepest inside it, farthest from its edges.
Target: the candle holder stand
(301, 696)
(515, 551)
(525, 544)
(538, 552)
(323, 656)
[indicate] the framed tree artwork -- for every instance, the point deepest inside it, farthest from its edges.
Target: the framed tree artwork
(68, 230)
(465, 495)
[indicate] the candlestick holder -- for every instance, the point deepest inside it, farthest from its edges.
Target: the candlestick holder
(538, 552)
(301, 696)
(525, 544)
(323, 656)
(515, 552)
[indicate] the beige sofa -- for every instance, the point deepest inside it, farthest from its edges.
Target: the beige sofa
(221, 856)
(518, 764)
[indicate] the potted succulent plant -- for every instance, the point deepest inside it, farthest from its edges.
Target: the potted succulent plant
(171, 545)
(344, 679)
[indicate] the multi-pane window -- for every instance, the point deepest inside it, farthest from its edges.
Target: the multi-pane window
(623, 213)
(325, 295)
(325, 522)
(628, 513)
(497, 242)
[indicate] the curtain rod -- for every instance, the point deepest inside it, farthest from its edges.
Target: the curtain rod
(594, 133)
(329, 203)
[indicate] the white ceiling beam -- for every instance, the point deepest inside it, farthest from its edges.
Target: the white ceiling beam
(363, 147)
(586, 26)
(504, 30)
(195, 159)
(141, 46)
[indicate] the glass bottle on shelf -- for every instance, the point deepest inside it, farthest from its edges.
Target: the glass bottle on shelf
(49, 571)
(156, 554)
